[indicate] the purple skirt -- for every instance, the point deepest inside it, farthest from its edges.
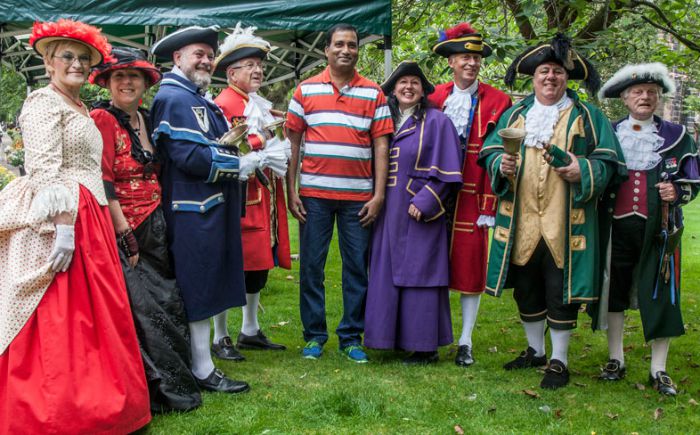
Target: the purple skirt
(407, 318)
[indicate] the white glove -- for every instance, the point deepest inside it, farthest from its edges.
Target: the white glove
(63, 247)
(486, 221)
(247, 164)
(275, 155)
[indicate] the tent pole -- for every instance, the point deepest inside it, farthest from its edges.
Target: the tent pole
(387, 56)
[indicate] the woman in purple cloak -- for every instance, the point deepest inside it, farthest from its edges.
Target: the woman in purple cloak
(408, 304)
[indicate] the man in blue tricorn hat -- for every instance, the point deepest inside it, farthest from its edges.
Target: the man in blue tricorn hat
(202, 195)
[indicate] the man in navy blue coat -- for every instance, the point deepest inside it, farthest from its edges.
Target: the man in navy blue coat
(202, 194)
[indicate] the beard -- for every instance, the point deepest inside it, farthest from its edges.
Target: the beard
(200, 78)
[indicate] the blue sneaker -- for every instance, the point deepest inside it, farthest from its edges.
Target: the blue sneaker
(355, 353)
(312, 350)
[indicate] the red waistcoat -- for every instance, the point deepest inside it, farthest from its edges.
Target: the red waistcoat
(632, 196)
(257, 226)
(469, 243)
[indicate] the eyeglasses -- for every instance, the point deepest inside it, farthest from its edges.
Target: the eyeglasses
(250, 66)
(69, 58)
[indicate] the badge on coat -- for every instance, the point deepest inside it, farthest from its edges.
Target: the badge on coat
(671, 164)
(200, 113)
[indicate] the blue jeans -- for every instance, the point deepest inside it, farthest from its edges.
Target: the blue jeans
(314, 239)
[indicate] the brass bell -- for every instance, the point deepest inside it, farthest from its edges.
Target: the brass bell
(512, 139)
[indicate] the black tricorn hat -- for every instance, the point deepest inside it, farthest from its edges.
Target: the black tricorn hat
(461, 38)
(189, 35)
(407, 68)
(560, 51)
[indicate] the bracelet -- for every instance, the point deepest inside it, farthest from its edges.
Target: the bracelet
(127, 243)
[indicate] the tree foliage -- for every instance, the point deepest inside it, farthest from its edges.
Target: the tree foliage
(609, 32)
(12, 92)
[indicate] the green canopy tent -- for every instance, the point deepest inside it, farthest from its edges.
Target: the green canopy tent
(295, 28)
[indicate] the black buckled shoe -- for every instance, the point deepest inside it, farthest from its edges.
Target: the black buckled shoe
(556, 375)
(421, 358)
(663, 383)
(525, 360)
(218, 382)
(613, 371)
(224, 349)
(258, 341)
(464, 356)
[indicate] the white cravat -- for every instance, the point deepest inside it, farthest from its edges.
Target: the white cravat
(458, 105)
(639, 142)
(405, 114)
(257, 113)
(541, 119)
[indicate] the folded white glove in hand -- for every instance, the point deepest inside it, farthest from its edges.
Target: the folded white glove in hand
(275, 155)
(247, 164)
(486, 221)
(63, 247)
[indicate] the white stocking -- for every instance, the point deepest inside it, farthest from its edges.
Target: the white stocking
(220, 328)
(534, 331)
(470, 309)
(560, 344)
(659, 352)
(202, 365)
(616, 327)
(250, 314)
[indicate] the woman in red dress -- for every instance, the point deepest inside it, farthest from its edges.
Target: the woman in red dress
(69, 356)
(129, 174)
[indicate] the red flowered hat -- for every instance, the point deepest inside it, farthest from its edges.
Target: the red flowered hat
(90, 36)
(126, 57)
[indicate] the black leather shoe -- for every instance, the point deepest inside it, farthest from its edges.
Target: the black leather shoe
(218, 382)
(258, 341)
(663, 383)
(525, 360)
(224, 350)
(464, 356)
(421, 358)
(556, 375)
(613, 371)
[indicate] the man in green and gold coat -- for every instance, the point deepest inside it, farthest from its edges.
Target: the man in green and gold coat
(546, 239)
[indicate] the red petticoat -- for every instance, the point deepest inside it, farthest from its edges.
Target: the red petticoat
(75, 366)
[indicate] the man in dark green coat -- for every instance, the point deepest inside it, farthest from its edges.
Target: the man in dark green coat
(546, 240)
(662, 160)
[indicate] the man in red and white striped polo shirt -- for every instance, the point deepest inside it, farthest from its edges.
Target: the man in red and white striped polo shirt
(345, 122)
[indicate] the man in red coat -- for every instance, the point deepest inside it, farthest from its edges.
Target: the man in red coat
(264, 228)
(474, 109)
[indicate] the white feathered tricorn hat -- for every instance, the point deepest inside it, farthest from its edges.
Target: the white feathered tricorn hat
(240, 44)
(636, 74)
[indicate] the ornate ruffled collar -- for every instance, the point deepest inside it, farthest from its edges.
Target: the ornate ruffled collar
(540, 121)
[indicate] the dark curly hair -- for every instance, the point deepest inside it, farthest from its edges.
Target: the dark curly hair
(393, 102)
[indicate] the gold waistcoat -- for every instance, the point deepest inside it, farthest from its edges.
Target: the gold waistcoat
(541, 200)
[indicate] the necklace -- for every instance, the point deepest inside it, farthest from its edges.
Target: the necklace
(77, 102)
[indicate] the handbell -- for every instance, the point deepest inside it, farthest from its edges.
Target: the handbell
(276, 128)
(512, 139)
(236, 138)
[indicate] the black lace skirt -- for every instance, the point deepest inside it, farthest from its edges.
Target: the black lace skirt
(161, 324)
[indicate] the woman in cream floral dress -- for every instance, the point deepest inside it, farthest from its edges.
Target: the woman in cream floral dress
(69, 357)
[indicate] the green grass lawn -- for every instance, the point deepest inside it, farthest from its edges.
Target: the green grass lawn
(293, 395)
